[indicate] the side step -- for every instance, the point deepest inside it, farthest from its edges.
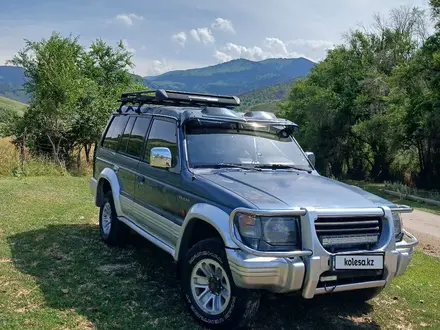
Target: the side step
(148, 236)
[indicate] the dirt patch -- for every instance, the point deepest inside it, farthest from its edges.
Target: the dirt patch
(428, 243)
(426, 227)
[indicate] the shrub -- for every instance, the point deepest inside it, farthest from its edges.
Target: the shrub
(10, 164)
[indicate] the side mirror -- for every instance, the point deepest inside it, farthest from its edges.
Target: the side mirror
(160, 157)
(311, 157)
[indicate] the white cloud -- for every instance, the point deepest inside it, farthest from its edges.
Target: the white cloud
(222, 57)
(276, 47)
(152, 67)
(270, 48)
(314, 44)
(193, 33)
(128, 19)
(159, 67)
(205, 35)
(202, 35)
(223, 25)
(237, 51)
(179, 38)
(127, 47)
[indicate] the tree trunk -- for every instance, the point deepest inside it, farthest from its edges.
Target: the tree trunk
(78, 159)
(23, 151)
(55, 151)
(87, 148)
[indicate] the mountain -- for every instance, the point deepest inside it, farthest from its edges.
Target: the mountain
(11, 81)
(266, 98)
(233, 77)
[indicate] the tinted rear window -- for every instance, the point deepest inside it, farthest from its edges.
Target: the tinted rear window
(126, 135)
(114, 132)
(137, 136)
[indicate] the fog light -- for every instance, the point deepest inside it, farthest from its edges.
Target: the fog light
(329, 278)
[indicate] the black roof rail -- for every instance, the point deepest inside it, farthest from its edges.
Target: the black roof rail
(177, 98)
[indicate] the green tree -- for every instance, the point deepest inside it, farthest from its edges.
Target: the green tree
(344, 105)
(417, 103)
(52, 67)
(73, 92)
(105, 77)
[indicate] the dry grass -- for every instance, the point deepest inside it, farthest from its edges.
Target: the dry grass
(34, 165)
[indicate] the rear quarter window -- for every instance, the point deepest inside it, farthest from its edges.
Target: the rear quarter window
(114, 132)
(137, 136)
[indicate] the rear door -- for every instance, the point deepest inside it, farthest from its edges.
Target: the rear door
(133, 143)
(125, 168)
(110, 157)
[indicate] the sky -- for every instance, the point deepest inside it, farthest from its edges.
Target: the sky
(166, 35)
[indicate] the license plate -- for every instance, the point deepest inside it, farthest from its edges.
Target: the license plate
(359, 262)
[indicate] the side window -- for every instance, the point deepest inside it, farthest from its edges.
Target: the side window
(163, 134)
(126, 135)
(137, 136)
(114, 132)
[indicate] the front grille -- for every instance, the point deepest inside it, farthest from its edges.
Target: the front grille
(348, 234)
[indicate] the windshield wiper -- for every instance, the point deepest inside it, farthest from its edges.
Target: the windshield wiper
(228, 165)
(282, 166)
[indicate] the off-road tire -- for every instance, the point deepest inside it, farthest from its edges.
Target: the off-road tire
(118, 231)
(243, 304)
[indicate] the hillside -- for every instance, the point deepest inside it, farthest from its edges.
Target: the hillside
(234, 77)
(11, 82)
(8, 109)
(265, 98)
(12, 105)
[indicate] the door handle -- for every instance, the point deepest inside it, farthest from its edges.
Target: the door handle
(140, 179)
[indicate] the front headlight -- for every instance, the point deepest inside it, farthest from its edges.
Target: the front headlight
(268, 233)
(398, 225)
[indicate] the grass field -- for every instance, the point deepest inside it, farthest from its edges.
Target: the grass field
(375, 188)
(16, 106)
(55, 273)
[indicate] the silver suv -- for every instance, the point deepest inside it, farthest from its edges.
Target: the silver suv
(239, 205)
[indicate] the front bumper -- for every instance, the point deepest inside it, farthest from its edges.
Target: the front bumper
(301, 271)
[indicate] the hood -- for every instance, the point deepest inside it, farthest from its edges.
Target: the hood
(287, 189)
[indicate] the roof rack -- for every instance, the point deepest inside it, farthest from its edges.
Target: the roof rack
(177, 98)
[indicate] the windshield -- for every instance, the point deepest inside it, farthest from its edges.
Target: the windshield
(250, 144)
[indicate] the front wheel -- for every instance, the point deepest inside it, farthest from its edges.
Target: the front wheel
(209, 290)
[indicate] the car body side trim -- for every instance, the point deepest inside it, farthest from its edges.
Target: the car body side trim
(147, 236)
(160, 213)
(157, 224)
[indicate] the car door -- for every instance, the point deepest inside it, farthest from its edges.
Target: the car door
(134, 144)
(110, 155)
(126, 170)
(155, 194)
